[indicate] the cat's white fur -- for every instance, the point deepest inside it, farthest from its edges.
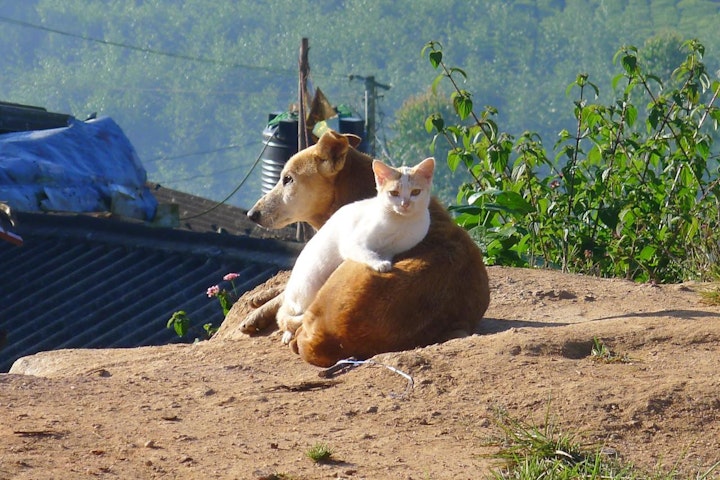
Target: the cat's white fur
(370, 231)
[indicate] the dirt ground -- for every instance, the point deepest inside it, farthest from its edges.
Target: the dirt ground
(250, 409)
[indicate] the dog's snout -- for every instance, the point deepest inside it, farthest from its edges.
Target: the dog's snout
(254, 215)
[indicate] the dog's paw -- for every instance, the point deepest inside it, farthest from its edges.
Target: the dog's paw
(250, 324)
(261, 298)
(262, 317)
(287, 337)
(257, 301)
(257, 320)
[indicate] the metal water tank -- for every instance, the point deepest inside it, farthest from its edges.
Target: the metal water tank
(356, 126)
(280, 142)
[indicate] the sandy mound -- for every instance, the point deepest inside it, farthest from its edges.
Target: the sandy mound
(241, 407)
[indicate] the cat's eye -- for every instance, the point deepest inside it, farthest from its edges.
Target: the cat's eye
(287, 179)
(415, 192)
(394, 193)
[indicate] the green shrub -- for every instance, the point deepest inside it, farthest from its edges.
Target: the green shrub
(631, 192)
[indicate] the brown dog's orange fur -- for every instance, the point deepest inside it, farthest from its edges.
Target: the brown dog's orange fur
(435, 291)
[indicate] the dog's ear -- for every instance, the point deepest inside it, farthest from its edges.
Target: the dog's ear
(331, 150)
(354, 140)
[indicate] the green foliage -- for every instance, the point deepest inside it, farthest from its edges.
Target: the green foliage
(209, 329)
(179, 322)
(411, 141)
(662, 53)
(711, 294)
(600, 352)
(320, 452)
(195, 91)
(631, 191)
(225, 301)
(530, 452)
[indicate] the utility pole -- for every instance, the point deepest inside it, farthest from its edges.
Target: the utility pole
(371, 87)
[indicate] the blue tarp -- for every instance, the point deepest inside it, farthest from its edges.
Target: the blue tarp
(86, 167)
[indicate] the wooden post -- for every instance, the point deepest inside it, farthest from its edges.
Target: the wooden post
(304, 69)
(302, 232)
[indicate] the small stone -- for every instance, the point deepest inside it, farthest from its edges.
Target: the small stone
(565, 295)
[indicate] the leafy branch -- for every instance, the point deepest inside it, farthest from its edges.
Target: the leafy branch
(627, 194)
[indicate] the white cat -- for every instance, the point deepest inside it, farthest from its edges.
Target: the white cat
(370, 231)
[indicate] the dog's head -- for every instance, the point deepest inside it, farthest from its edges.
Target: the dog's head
(306, 189)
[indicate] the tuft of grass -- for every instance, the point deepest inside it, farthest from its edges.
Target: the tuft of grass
(320, 452)
(711, 295)
(706, 475)
(531, 452)
(601, 353)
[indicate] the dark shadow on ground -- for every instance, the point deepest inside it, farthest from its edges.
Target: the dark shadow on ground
(497, 325)
(682, 314)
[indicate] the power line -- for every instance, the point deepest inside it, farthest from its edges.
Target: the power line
(199, 152)
(212, 61)
(173, 90)
(202, 152)
(195, 177)
(242, 182)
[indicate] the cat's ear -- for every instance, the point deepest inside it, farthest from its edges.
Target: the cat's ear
(426, 168)
(382, 172)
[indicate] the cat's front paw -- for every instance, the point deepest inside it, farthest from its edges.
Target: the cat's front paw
(382, 266)
(287, 337)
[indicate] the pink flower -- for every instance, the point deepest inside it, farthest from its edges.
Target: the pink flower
(230, 277)
(213, 291)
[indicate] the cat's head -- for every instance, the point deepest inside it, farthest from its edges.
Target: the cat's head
(406, 190)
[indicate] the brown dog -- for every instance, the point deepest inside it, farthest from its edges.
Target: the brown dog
(435, 291)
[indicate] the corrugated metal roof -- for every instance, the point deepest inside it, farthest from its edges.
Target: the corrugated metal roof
(99, 280)
(87, 282)
(199, 214)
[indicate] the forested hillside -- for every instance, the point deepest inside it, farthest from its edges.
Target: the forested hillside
(192, 83)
